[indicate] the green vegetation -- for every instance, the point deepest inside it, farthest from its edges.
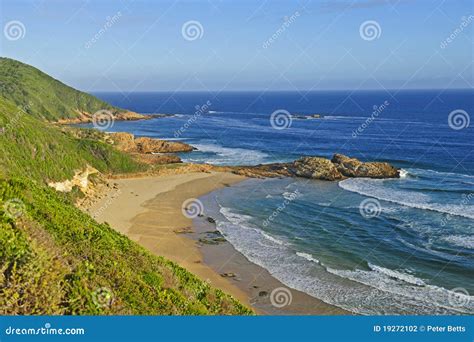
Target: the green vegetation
(54, 258)
(36, 149)
(42, 96)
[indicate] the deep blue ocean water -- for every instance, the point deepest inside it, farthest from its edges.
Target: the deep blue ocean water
(403, 246)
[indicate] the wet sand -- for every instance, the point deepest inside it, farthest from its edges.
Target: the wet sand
(149, 211)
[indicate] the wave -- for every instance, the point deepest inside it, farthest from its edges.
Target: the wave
(376, 189)
(376, 291)
(464, 241)
(226, 155)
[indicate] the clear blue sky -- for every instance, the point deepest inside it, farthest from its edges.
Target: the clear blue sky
(144, 49)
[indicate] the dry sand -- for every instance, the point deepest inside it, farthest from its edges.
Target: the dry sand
(149, 211)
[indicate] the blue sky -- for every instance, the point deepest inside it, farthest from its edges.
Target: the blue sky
(320, 47)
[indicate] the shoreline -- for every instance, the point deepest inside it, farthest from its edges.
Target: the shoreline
(148, 211)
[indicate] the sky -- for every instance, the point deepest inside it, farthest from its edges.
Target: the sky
(224, 45)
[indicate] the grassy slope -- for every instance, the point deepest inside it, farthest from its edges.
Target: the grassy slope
(55, 259)
(43, 96)
(33, 148)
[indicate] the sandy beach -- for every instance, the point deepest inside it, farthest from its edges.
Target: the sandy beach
(149, 211)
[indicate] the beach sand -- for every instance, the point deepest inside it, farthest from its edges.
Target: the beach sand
(149, 211)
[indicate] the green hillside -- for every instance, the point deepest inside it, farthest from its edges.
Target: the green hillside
(42, 96)
(54, 258)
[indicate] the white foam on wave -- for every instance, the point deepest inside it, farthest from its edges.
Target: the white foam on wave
(464, 241)
(308, 257)
(227, 155)
(403, 173)
(376, 189)
(376, 291)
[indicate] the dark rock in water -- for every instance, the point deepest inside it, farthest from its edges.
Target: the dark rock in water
(352, 167)
(210, 220)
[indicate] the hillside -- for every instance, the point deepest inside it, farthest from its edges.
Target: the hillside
(54, 258)
(46, 98)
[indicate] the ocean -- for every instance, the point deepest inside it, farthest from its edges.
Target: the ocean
(398, 246)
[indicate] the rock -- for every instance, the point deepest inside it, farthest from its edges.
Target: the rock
(210, 220)
(315, 168)
(263, 294)
(127, 142)
(352, 167)
(228, 275)
(149, 145)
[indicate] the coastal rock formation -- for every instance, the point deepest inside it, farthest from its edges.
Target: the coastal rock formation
(338, 168)
(80, 179)
(128, 143)
(157, 159)
(315, 168)
(352, 167)
(149, 145)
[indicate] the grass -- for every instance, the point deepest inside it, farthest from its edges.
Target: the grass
(55, 259)
(42, 96)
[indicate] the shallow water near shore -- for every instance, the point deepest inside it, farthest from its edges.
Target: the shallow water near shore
(401, 246)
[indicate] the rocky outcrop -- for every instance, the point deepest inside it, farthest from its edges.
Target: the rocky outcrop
(315, 168)
(80, 179)
(157, 159)
(339, 167)
(352, 167)
(127, 142)
(149, 145)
